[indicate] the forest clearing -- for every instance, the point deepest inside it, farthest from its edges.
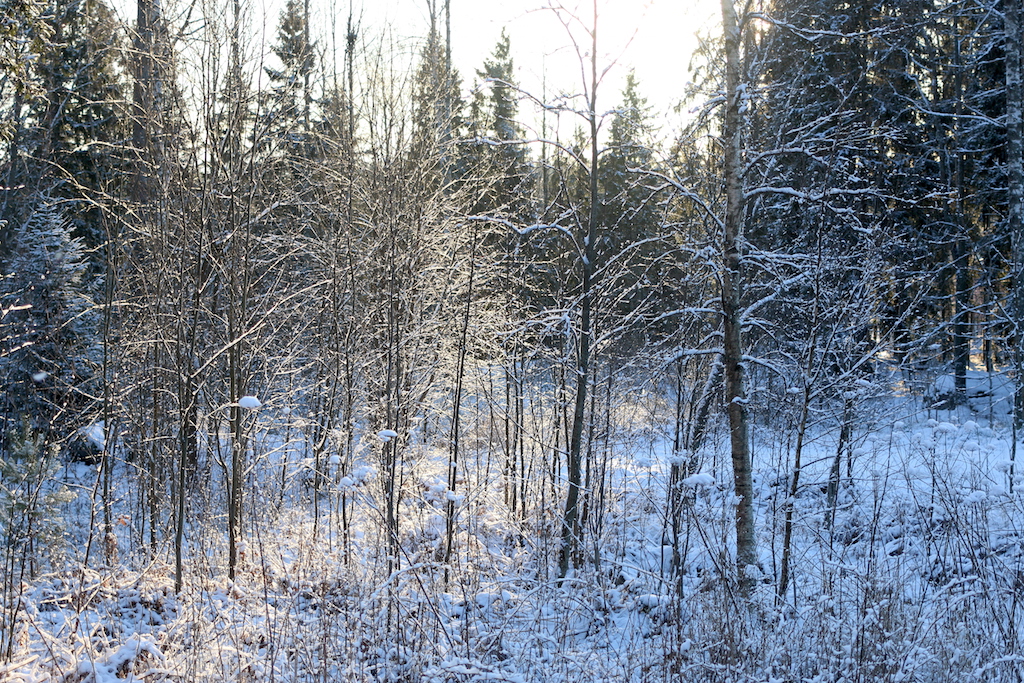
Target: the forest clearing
(323, 360)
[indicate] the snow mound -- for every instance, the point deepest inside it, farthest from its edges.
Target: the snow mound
(130, 662)
(249, 402)
(699, 480)
(945, 384)
(94, 434)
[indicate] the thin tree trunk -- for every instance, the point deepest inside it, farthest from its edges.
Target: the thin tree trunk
(735, 398)
(1015, 182)
(832, 492)
(570, 521)
(962, 279)
(702, 412)
(143, 114)
(794, 487)
(237, 447)
(453, 461)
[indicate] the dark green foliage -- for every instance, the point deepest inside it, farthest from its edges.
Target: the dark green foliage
(871, 132)
(70, 131)
(495, 148)
(436, 114)
(291, 103)
(632, 236)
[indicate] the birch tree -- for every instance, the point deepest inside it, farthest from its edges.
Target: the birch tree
(732, 284)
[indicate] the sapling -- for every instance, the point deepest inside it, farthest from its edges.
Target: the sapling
(30, 519)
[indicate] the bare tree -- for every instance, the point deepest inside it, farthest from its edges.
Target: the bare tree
(731, 277)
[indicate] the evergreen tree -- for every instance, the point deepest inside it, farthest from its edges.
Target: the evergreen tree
(77, 123)
(832, 142)
(496, 151)
(631, 215)
(436, 106)
(292, 96)
(49, 360)
(24, 36)
(880, 122)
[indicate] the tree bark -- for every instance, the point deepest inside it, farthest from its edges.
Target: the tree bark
(570, 521)
(1015, 182)
(732, 315)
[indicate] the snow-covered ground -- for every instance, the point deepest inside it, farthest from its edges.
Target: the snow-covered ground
(912, 571)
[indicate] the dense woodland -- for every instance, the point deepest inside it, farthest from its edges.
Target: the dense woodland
(320, 362)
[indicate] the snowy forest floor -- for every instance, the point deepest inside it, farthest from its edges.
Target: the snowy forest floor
(912, 570)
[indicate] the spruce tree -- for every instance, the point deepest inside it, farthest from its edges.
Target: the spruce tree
(436, 106)
(632, 216)
(496, 145)
(50, 355)
(77, 122)
(291, 105)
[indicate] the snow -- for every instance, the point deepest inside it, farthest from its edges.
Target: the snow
(94, 434)
(904, 574)
(651, 601)
(945, 384)
(249, 402)
(119, 666)
(975, 497)
(697, 480)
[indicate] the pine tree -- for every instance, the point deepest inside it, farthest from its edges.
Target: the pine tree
(32, 499)
(24, 36)
(436, 106)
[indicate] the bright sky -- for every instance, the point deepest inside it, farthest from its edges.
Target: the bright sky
(656, 37)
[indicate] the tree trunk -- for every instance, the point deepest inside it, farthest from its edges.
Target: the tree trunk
(962, 247)
(451, 508)
(1015, 212)
(1015, 182)
(570, 521)
(736, 401)
(143, 100)
(794, 488)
